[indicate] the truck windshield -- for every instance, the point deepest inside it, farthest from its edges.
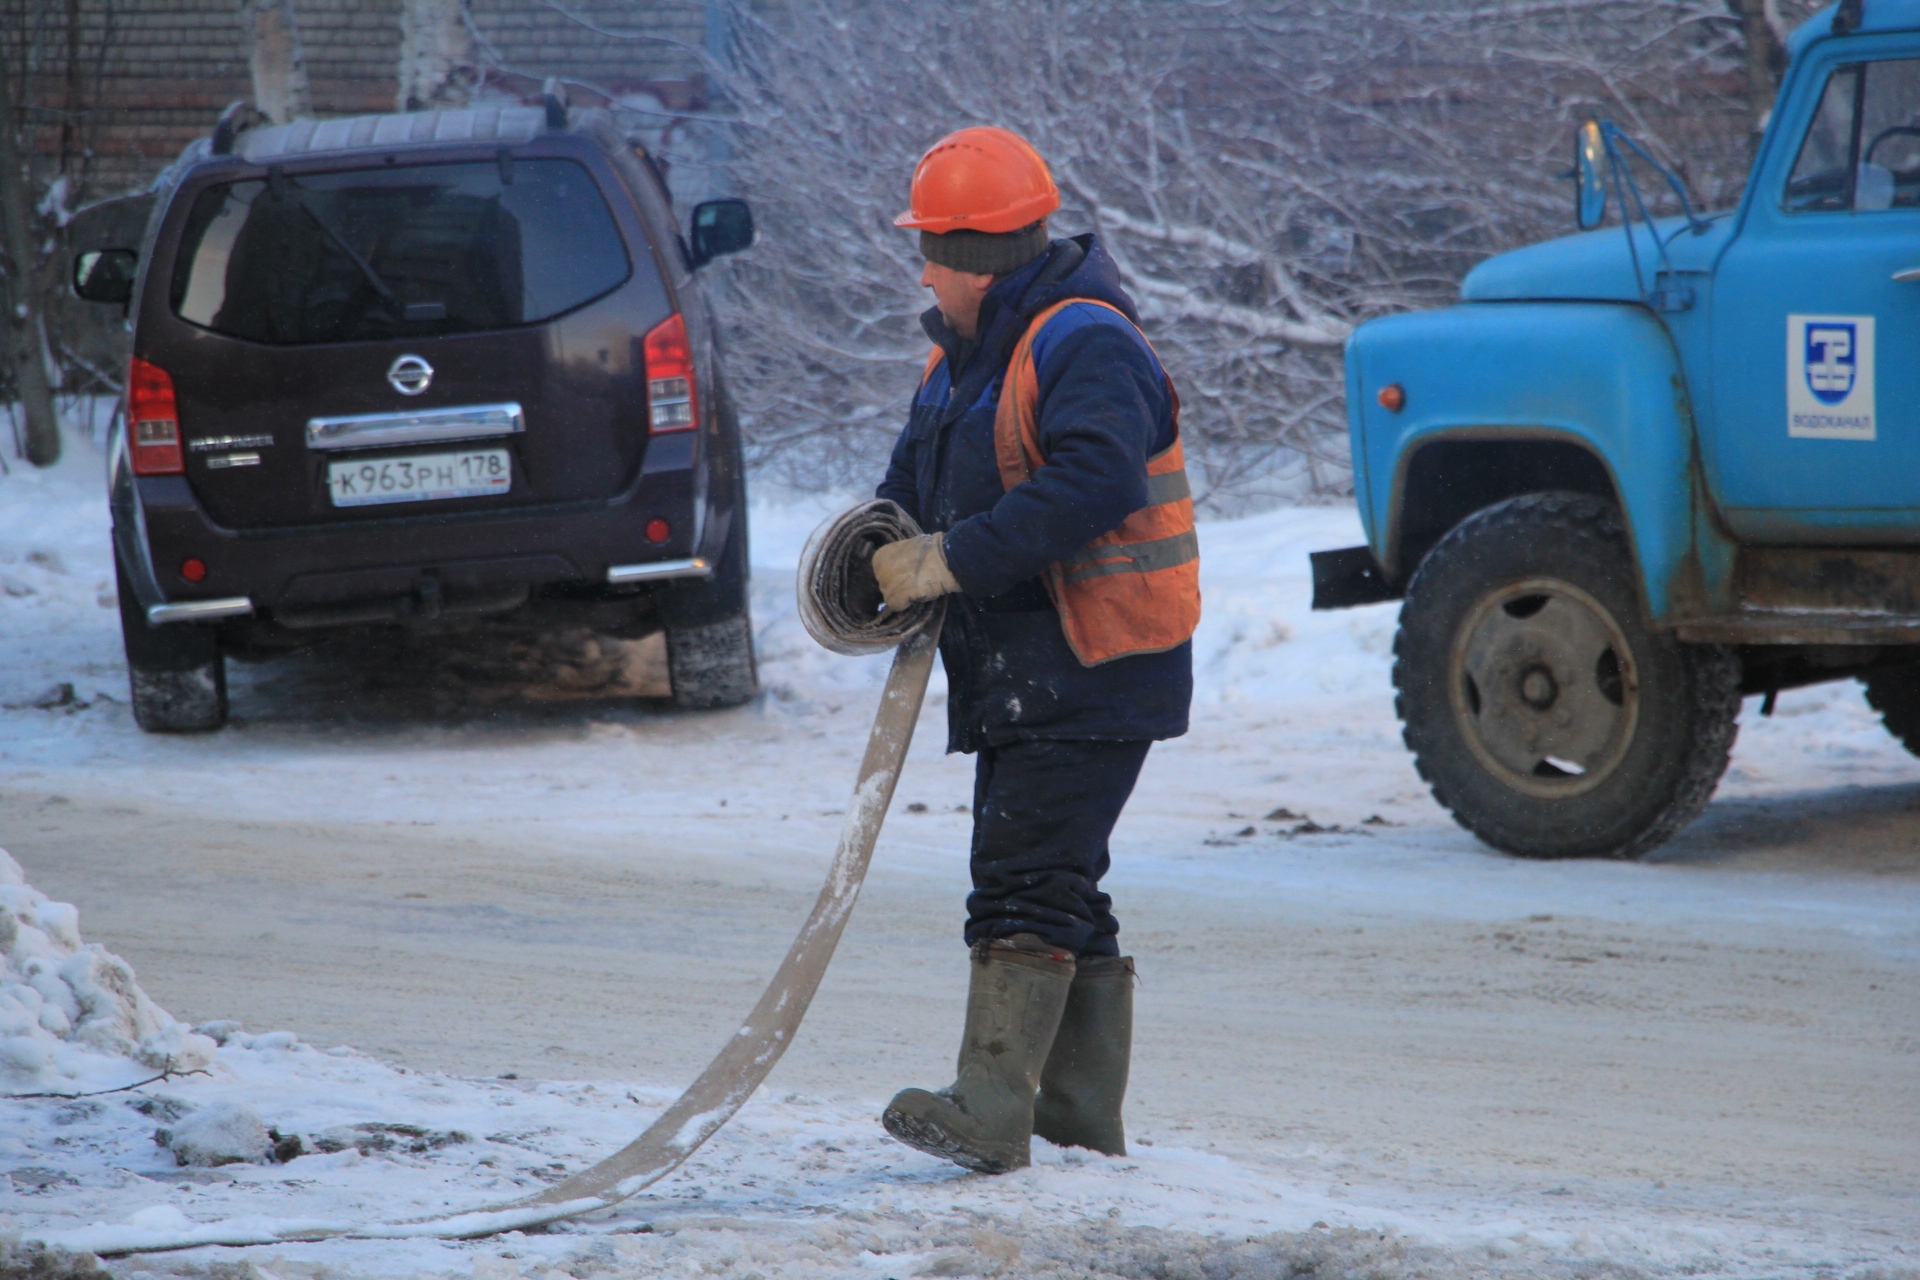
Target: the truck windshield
(1862, 151)
(458, 247)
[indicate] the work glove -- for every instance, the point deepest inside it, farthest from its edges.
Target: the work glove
(913, 570)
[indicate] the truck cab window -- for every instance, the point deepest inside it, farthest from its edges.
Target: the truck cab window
(1862, 151)
(1889, 176)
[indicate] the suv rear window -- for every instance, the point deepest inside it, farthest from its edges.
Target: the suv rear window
(368, 254)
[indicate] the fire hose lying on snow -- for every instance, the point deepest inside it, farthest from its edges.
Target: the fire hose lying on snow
(840, 606)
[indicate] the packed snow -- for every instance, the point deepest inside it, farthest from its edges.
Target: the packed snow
(1292, 797)
(71, 1015)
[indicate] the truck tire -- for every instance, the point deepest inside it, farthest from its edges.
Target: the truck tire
(176, 674)
(1546, 716)
(711, 664)
(1895, 694)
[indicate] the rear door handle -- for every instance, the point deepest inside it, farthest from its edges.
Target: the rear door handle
(1910, 275)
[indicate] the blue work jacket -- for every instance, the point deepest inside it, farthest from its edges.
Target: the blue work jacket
(1104, 408)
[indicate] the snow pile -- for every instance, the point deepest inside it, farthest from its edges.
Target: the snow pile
(795, 1188)
(71, 1013)
(57, 601)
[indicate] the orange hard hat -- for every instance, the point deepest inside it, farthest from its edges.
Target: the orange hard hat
(980, 179)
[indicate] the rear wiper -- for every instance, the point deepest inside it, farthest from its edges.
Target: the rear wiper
(286, 189)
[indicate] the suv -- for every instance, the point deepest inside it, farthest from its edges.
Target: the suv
(1642, 472)
(427, 370)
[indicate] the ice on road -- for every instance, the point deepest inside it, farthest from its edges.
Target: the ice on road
(1366, 1044)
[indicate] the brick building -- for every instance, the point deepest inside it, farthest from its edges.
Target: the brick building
(110, 91)
(148, 76)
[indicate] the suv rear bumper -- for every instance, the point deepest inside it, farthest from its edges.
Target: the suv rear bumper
(472, 554)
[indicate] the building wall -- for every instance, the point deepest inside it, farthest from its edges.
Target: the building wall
(165, 69)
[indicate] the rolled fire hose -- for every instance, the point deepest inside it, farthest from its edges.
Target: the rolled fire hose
(840, 606)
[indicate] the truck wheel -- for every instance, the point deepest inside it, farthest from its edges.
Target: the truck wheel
(712, 665)
(1895, 694)
(1542, 711)
(176, 674)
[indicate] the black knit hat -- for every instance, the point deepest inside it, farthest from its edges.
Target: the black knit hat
(985, 253)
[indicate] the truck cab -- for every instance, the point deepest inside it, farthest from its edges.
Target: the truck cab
(1641, 472)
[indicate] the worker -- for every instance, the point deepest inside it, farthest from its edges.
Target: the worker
(1042, 456)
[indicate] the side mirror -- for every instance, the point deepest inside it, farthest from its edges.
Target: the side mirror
(720, 227)
(1590, 188)
(105, 275)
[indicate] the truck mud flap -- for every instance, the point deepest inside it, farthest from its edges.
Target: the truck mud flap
(1348, 577)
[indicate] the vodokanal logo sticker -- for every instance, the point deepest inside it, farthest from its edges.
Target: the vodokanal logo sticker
(1830, 377)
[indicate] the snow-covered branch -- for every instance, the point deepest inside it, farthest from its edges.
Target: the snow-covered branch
(1266, 173)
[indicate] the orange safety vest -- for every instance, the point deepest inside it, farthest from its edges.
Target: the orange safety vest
(1136, 589)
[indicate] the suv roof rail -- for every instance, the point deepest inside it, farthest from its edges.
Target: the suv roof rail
(239, 116)
(496, 126)
(553, 96)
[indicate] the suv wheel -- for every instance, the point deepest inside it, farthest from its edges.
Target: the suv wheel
(1895, 694)
(712, 665)
(177, 675)
(1542, 711)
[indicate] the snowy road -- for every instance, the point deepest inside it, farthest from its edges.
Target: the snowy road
(1707, 1060)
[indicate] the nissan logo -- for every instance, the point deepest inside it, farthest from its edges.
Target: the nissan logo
(410, 375)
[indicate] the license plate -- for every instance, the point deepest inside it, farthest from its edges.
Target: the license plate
(420, 477)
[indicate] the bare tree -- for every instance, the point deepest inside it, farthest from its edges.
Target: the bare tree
(1266, 174)
(277, 60)
(52, 58)
(437, 63)
(26, 342)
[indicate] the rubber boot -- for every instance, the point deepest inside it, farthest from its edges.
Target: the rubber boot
(1085, 1079)
(983, 1121)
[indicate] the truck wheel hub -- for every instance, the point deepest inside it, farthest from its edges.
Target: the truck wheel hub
(1538, 688)
(1543, 687)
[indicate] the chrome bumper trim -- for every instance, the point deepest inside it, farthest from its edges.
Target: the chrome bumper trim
(621, 574)
(159, 615)
(425, 426)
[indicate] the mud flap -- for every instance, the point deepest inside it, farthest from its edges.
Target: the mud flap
(1348, 577)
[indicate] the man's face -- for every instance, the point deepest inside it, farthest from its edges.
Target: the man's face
(958, 294)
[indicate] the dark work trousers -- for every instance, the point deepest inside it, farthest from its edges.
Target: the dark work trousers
(1042, 813)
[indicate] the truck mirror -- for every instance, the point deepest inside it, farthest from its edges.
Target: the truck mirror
(1590, 188)
(104, 275)
(720, 227)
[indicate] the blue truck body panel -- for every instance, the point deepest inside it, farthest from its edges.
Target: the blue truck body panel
(1595, 265)
(1601, 375)
(1774, 481)
(1754, 412)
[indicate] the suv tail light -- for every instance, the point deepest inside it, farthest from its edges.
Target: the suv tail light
(153, 424)
(671, 402)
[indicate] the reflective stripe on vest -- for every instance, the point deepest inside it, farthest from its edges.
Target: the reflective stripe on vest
(1132, 591)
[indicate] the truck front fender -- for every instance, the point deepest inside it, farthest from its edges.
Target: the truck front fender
(1503, 398)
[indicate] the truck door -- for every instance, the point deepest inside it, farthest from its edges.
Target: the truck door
(1815, 425)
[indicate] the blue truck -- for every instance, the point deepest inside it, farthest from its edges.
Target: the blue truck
(1640, 473)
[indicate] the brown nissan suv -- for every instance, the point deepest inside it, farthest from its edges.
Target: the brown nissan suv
(434, 370)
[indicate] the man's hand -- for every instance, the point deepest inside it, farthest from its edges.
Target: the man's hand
(914, 570)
